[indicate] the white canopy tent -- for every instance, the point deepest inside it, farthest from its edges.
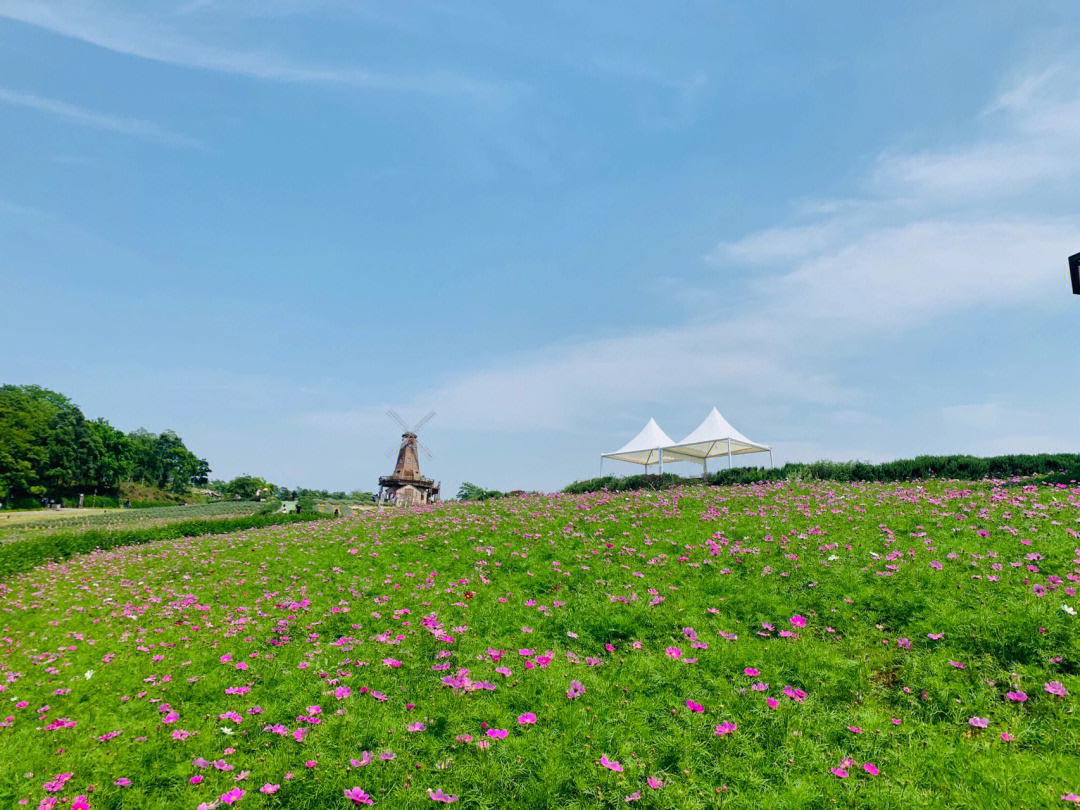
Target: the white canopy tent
(715, 437)
(645, 448)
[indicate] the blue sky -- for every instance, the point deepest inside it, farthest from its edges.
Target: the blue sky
(261, 223)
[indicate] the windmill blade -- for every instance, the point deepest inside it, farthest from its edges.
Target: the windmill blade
(424, 421)
(393, 451)
(394, 415)
(427, 452)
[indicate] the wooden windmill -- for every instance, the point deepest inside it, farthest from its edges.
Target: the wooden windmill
(406, 486)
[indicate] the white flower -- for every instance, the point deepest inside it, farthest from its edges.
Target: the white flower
(88, 674)
(834, 557)
(228, 731)
(1068, 609)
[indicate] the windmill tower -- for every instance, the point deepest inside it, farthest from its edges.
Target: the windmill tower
(406, 486)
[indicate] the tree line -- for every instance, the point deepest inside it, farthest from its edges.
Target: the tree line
(49, 449)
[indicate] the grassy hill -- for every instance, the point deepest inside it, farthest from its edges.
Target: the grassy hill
(774, 645)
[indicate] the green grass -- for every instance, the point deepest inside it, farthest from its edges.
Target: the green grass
(140, 633)
(44, 523)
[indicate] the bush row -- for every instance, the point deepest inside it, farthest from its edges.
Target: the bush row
(1061, 467)
(23, 555)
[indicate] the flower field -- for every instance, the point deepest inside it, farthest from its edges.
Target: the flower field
(779, 645)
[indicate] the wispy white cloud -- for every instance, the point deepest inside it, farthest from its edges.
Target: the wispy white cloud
(846, 274)
(135, 127)
(1034, 137)
(151, 37)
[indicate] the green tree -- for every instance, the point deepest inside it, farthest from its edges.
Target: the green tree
(246, 488)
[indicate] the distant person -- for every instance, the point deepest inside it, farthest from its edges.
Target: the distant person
(298, 508)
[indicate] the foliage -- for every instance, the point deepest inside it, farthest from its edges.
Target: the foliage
(471, 492)
(47, 447)
(246, 488)
(26, 554)
(967, 468)
(47, 522)
(794, 644)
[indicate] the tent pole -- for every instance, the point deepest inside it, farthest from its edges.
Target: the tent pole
(705, 467)
(729, 453)
(660, 461)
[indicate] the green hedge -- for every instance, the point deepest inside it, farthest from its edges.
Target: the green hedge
(23, 555)
(1060, 467)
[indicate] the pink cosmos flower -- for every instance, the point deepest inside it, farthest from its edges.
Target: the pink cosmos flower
(1056, 688)
(979, 722)
(576, 690)
(633, 797)
(673, 652)
(798, 695)
(506, 672)
(870, 768)
(1071, 797)
(526, 719)
(1016, 697)
(357, 796)
(438, 796)
(798, 621)
(465, 738)
(269, 789)
(497, 733)
(694, 707)
(750, 672)
(232, 796)
(773, 702)
(725, 728)
(611, 764)
(1007, 737)
(654, 783)
(311, 763)
(935, 636)
(854, 729)
(386, 756)
(839, 772)
(80, 803)
(123, 781)
(196, 779)
(416, 727)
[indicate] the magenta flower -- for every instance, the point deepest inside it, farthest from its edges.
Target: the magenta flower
(357, 796)
(576, 690)
(269, 789)
(123, 781)
(935, 636)
(611, 764)
(654, 783)
(417, 727)
(438, 796)
(80, 803)
(750, 672)
(839, 773)
(773, 702)
(854, 729)
(497, 733)
(673, 652)
(526, 719)
(694, 707)
(1056, 688)
(232, 796)
(798, 621)
(1016, 697)
(633, 797)
(725, 728)
(903, 643)
(870, 768)
(979, 722)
